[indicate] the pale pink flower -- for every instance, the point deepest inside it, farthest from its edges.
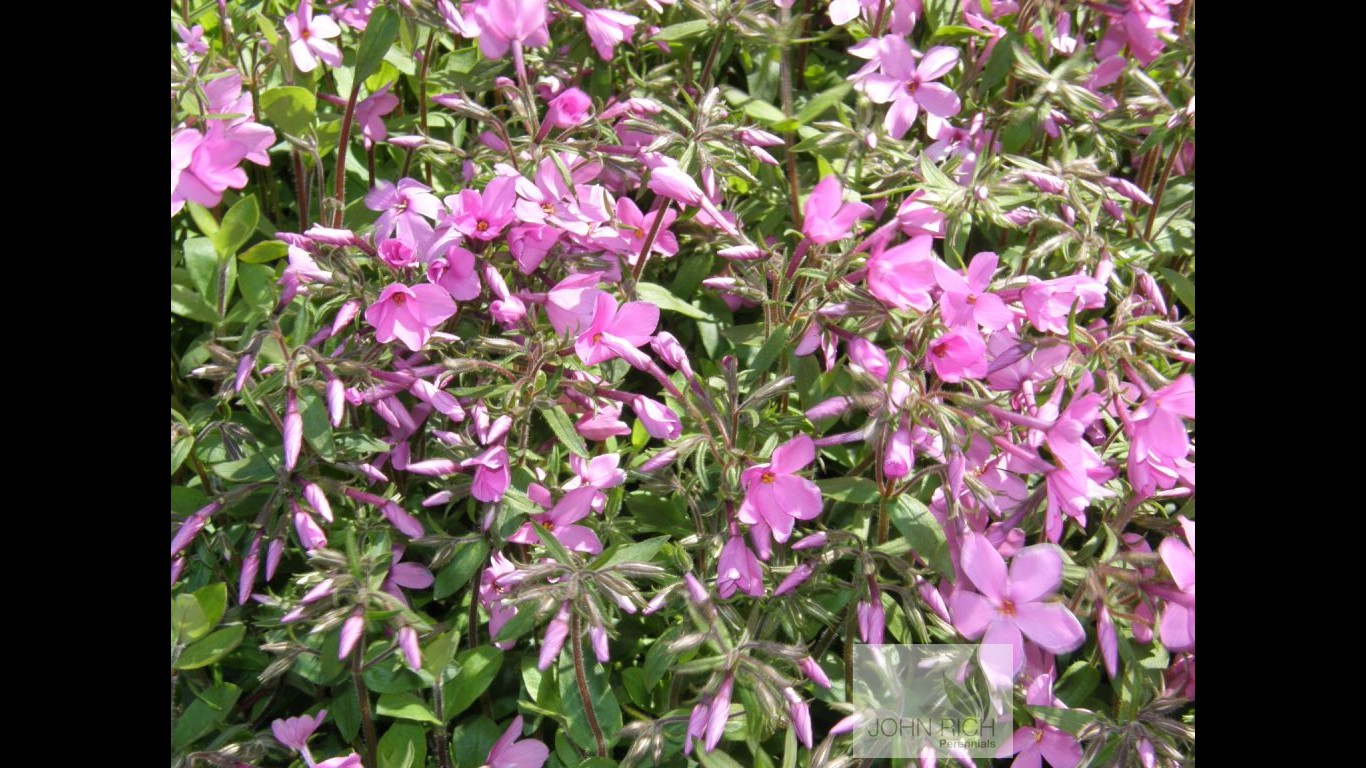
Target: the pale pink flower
(510, 752)
(617, 331)
(309, 35)
(826, 217)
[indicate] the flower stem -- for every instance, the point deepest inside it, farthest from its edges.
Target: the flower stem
(582, 679)
(343, 144)
(367, 719)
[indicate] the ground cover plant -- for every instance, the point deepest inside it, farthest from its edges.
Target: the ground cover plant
(561, 383)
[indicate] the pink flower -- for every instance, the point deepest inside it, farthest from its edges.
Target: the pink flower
(504, 22)
(606, 28)
(826, 217)
(617, 331)
(571, 304)
(403, 208)
(351, 632)
(659, 419)
(800, 715)
(294, 732)
(202, 168)
(775, 495)
(491, 593)
(1177, 628)
(309, 35)
(904, 276)
(455, 271)
(570, 109)
(575, 506)
(1009, 606)
(1043, 741)
(492, 475)
(346, 761)
(967, 301)
(909, 86)
(1049, 303)
(407, 642)
(813, 671)
(635, 227)
(738, 568)
(957, 355)
(370, 113)
(555, 634)
(509, 752)
(604, 422)
(483, 216)
(409, 313)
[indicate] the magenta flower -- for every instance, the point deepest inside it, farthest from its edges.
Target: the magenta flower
(738, 568)
(407, 643)
(604, 422)
(659, 419)
(492, 476)
(775, 495)
(1009, 606)
(555, 634)
(455, 271)
(911, 87)
(571, 304)
(1042, 741)
(634, 226)
(617, 331)
(353, 629)
(1049, 303)
(409, 313)
(294, 732)
(967, 302)
(346, 761)
(370, 114)
(403, 207)
(570, 109)
(510, 752)
(483, 216)
(826, 217)
(957, 355)
(575, 506)
(904, 276)
(505, 22)
(606, 27)
(1177, 628)
(491, 592)
(308, 36)
(202, 168)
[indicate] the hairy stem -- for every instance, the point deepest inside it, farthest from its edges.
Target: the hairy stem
(581, 678)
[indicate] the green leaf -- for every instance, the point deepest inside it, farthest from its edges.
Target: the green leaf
(257, 285)
(934, 177)
(635, 552)
(380, 33)
(823, 101)
(211, 708)
(264, 252)
(211, 648)
(915, 522)
(253, 469)
(188, 622)
(716, 759)
(756, 108)
(201, 262)
(237, 225)
(403, 746)
(213, 600)
(202, 218)
(664, 299)
(180, 451)
(684, 30)
(345, 710)
(290, 108)
(478, 667)
(855, 490)
(471, 740)
(317, 428)
(1182, 287)
(564, 430)
(439, 652)
(769, 352)
(1077, 683)
(405, 706)
(600, 694)
(466, 562)
(1070, 720)
(272, 37)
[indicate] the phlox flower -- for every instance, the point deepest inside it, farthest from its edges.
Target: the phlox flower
(409, 313)
(510, 752)
(309, 37)
(826, 217)
(908, 86)
(560, 520)
(775, 495)
(616, 331)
